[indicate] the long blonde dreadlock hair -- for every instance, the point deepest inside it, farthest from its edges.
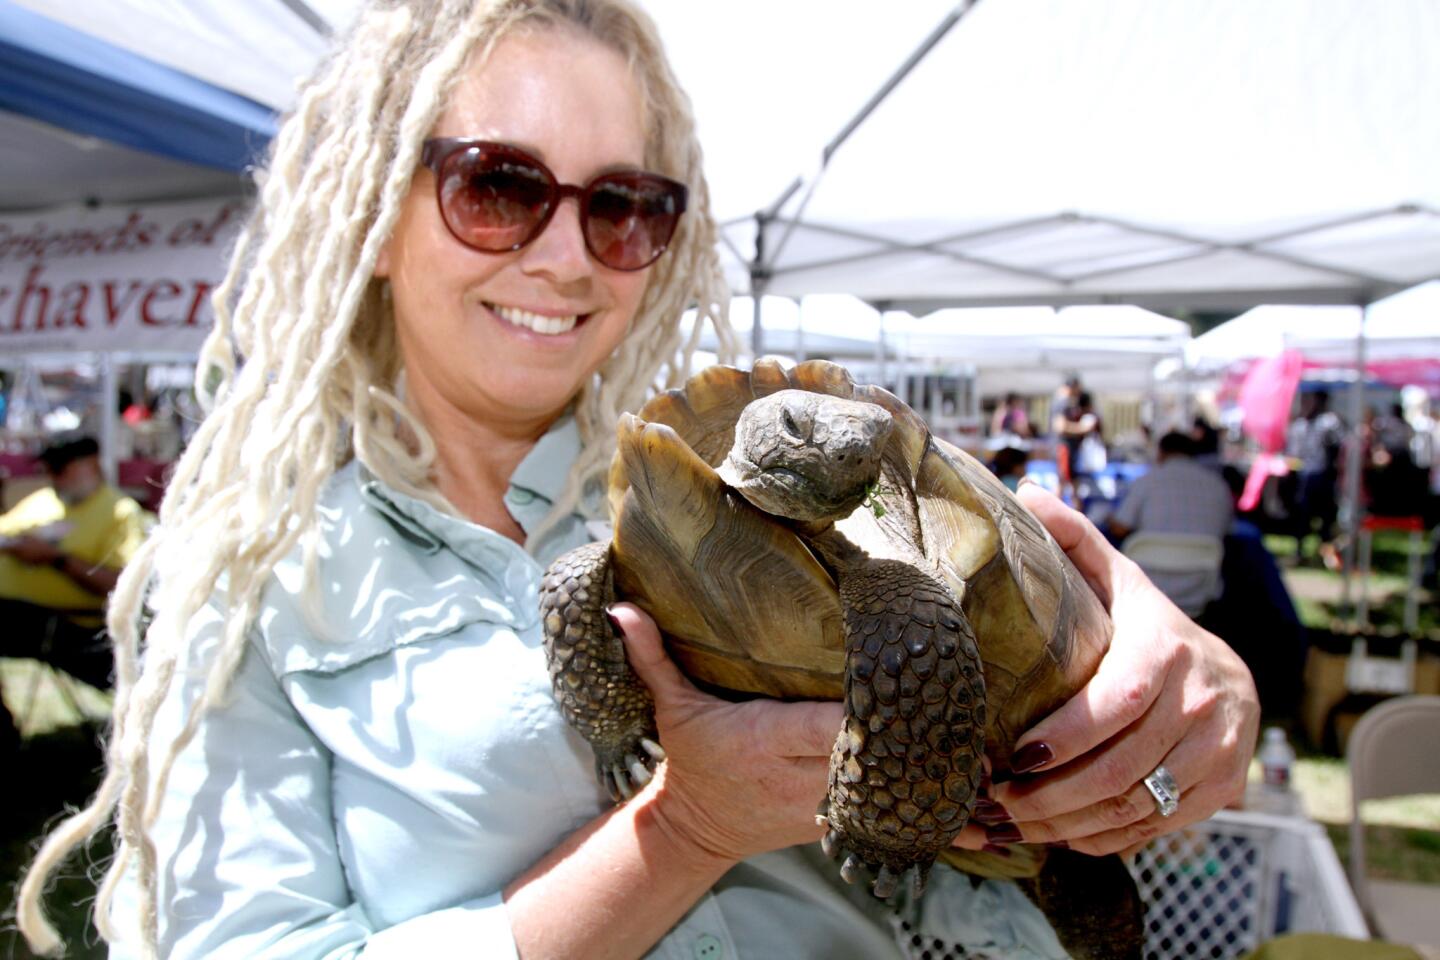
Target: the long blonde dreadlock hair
(300, 373)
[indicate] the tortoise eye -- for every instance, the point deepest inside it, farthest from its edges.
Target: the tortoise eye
(791, 427)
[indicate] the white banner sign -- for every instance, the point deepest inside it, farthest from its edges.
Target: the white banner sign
(133, 278)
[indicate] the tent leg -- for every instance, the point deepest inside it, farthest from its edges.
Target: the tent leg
(109, 417)
(1350, 507)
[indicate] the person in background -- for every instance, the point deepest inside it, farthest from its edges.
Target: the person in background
(1011, 419)
(1394, 484)
(1207, 444)
(1009, 466)
(1081, 449)
(1177, 495)
(1312, 442)
(61, 552)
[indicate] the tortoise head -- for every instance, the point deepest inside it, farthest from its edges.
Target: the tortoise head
(807, 456)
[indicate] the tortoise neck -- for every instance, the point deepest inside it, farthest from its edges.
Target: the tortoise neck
(836, 551)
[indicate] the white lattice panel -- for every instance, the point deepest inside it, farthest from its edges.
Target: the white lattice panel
(1218, 889)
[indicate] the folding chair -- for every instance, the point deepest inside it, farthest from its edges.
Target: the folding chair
(1392, 753)
(1185, 566)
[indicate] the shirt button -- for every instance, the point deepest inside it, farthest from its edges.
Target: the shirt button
(519, 497)
(708, 947)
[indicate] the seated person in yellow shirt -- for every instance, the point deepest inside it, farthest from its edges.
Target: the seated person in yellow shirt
(61, 551)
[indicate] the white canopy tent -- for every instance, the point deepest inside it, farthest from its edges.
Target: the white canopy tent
(1192, 153)
(1032, 349)
(1024, 349)
(1405, 326)
(1188, 154)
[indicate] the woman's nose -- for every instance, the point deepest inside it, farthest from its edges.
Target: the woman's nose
(560, 251)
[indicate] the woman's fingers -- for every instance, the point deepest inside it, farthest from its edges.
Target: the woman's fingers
(1129, 680)
(1167, 692)
(1135, 739)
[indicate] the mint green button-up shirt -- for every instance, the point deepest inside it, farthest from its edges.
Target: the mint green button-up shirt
(377, 775)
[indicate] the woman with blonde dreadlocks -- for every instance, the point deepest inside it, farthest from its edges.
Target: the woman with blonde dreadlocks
(342, 738)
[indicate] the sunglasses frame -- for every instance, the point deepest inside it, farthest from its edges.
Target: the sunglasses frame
(437, 152)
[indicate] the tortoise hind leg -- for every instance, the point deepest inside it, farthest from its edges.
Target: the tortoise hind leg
(1092, 903)
(907, 764)
(597, 690)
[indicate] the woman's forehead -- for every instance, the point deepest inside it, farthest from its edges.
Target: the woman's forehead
(555, 91)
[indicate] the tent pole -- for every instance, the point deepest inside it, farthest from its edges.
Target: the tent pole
(109, 417)
(1350, 507)
(759, 280)
(880, 350)
(936, 35)
(800, 331)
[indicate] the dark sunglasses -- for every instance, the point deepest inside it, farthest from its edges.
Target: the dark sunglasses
(498, 198)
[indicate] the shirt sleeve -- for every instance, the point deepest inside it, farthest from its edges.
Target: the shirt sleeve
(248, 860)
(125, 535)
(1128, 513)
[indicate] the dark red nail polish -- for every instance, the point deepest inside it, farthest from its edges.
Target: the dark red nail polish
(988, 811)
(1002, 833)
(1061, 844)
(1030, 757)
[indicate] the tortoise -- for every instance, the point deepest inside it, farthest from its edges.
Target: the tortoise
(798, 535)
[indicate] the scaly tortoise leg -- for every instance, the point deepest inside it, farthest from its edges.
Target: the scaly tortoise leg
(907, 764)
(597, 690)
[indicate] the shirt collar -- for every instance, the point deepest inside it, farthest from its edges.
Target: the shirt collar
(546, 467)
(534, 486)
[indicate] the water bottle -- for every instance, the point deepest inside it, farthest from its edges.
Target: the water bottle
(1277, 761)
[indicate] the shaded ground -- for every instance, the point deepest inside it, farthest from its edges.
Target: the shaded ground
(56, 769)
(60, 771)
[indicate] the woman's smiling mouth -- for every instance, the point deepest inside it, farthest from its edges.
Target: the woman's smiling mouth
(539, 323)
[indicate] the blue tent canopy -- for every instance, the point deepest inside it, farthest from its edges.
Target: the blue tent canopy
(72, 80)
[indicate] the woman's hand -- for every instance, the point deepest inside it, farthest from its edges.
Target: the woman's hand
(739, 778)
(1167, 692)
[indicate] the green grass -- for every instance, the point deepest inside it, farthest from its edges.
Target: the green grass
(43, 701)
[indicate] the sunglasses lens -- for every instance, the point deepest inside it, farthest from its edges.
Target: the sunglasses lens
(493, 201)
(631, 218)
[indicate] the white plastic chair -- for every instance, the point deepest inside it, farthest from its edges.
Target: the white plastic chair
(1392, 753)
(1185, 566)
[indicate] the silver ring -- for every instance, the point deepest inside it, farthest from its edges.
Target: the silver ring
(1164, 789)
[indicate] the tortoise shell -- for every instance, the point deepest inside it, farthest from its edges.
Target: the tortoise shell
(746, 606)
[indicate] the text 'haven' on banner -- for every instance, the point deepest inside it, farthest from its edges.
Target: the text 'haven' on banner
(131, 278)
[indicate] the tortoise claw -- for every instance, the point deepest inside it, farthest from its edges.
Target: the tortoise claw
(885, 883)
(622, 782)
(625, 769)
(850, 869)
(830, 843)
(918, 879)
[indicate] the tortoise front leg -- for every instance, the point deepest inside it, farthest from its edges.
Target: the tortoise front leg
(597, 690)
(906, 766)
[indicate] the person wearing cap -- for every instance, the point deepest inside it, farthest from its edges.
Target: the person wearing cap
(61, 552)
